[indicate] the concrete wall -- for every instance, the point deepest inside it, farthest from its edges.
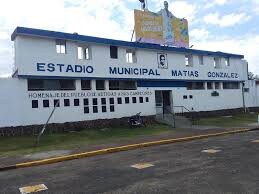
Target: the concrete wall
(16, 104)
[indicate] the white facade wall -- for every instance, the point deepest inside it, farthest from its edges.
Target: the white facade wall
(251, 97)
(16, 107)
(16, 103)
(203, 101)
(38, 50)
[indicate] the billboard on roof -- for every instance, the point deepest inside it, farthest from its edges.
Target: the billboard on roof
(161, 28)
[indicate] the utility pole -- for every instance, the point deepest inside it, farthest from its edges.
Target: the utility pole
(243, 96)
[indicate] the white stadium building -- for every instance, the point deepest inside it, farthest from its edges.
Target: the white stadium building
(92, 78)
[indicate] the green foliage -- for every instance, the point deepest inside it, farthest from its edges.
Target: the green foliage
(26, 145)
(234, 121)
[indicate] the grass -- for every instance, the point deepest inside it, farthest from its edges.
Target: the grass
(11, 146)
(234, 121)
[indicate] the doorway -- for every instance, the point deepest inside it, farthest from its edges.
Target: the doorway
(163, 101)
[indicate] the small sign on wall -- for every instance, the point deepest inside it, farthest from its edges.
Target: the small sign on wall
(162, 61)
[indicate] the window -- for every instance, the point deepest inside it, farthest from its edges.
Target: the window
(56, 103)
(114, 85)
(103, 102)
(122, 85)
(214, 94)
(66, 102)
(34, 104)
(111, 100)
(86, 106)
(141, 100)
(50, 84)
(86, 85)
(76, 102)
(246, 89)
(231, 85)
(227, 62)
(86, 109)
(209, 85)
(35, 84)
(147, 99)
(127, 100)
(112, 108)
(217, 86)
(216, 62)
(131, 56)
(185, 97)
(95, 101)
(114, 52)
(86, 102)
(201, 62)
(111, 104)
(195, 86)
(61, 46)
(95, 105)
(188, 60)
(100, 85)
(134, 100)
(191, 96)
(45, 103)
(83, 53)
(119, 100)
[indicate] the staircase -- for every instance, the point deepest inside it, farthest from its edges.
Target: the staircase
(174, 120)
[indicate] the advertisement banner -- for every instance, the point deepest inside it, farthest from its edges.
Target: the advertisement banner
(160, 28)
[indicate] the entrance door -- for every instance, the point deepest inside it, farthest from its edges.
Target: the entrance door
(163, 101)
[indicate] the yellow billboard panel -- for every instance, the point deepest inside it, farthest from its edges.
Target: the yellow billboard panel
(155, 28)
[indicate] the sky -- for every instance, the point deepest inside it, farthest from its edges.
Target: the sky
(216, 25)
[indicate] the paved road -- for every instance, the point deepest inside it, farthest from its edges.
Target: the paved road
(178, 168)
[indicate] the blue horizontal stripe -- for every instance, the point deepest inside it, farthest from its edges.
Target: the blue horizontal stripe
(89, 39)
(162, 84)
(113, 78)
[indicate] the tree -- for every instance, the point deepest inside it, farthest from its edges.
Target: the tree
(250, 75)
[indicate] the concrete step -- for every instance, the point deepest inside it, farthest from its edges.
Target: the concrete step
(180, 121)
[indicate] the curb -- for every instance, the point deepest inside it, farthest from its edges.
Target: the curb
(120, 149)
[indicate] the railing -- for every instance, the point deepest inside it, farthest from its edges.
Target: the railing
(167, 111)
(182, 108)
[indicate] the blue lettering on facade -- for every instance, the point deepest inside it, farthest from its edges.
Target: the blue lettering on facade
(178, 73)
(89, 69)
(70, 69)
(133, 71)
(40, 66)
(78, 68)
(113, 70)
(222, 75)
(60, 67)
(51, 67)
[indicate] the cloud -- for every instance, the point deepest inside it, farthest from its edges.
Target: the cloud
(4, 35)
(226, 20)
(199, 34)
(220, 2)
(87, 17)
(5, 75)
(215, 2)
